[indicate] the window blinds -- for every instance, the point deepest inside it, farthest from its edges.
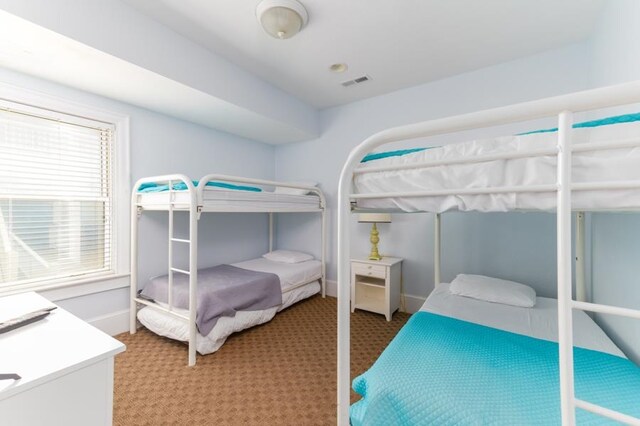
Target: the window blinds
(55, 197)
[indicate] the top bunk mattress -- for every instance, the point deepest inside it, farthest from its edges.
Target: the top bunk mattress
(226, 200)
(621, 164)
(540, 322)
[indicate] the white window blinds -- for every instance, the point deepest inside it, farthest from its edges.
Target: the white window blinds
(55, 197)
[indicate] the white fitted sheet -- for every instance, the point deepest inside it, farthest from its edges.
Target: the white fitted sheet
(290, 274)
(540, 322)
(174, 328)
(229, 201)
(608, 165)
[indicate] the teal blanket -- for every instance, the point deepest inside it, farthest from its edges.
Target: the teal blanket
(181, 186)
(443, 371)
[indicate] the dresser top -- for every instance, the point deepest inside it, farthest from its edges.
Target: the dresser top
(49, 348)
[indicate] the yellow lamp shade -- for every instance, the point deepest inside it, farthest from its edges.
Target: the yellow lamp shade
(374, 218)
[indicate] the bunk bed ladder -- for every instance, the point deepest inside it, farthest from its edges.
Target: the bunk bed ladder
(566, 303)
(188, 272)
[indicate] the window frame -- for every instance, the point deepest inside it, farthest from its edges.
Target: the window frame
(117, 277)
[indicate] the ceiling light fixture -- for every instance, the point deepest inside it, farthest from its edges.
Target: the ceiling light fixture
(341, 67)
(282, 18)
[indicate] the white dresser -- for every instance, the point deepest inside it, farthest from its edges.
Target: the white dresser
(66, 367)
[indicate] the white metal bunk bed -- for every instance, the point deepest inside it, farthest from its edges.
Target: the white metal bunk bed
(200, 199)
(562, 107)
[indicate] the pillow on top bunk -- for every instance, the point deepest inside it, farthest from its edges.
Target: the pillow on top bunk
(493, 290)
(295, 191)
(287, 256)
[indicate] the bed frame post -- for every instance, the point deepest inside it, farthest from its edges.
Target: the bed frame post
(323, 229)
(344, 288)
(565, 329)
(581, 285)
(436, 250)
(133, 286)
(170, 247)
(193, 274)
(270, 232)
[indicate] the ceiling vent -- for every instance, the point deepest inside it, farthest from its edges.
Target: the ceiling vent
(355, 81)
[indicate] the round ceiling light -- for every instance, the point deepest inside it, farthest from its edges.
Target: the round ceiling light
(281, 18)
(340, 67)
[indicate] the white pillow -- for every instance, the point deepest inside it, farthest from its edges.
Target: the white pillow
(295, 191)
(287, 256)
(493, 290)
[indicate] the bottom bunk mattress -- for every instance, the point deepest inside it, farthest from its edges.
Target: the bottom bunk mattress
(230, 298)
(177, 329)
(540, 322)
(450, 365)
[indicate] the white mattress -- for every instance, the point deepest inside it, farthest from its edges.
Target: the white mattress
(609, 165)
(290, 274)
(297, 281)
(174, 328)
(540, 322)
(230, 201)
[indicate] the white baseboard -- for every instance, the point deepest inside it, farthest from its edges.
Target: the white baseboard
(411, 303)
(113, 323)
(332, 288)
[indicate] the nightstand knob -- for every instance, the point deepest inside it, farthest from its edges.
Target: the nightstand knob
(369, 266)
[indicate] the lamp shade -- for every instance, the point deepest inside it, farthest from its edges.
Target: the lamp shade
(374, 218)
(281, 18)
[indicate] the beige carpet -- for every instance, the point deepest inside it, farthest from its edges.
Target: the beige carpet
(279, 373)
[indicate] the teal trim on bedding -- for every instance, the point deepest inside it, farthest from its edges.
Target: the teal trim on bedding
(387, 154)
(618, 119)
(443, 371)
(181, 186)
(148, 185)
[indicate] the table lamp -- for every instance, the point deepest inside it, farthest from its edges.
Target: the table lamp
(374, 218)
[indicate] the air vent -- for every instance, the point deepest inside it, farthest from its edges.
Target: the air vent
(358, 80)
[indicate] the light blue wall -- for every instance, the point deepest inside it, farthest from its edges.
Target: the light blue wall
(616, 237)
(159, 145)
(516, 246)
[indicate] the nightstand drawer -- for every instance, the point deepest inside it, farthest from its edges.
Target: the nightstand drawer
(378, 271)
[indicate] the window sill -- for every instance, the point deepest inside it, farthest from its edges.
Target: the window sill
(77, 288)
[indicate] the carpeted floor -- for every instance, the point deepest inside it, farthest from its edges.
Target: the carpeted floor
(279, 373)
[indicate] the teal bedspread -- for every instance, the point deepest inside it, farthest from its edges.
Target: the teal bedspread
(443, 371)
(181, 186)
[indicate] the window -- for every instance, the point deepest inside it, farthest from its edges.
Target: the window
(57, 198)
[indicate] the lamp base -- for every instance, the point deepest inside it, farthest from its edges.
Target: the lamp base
(374, 238)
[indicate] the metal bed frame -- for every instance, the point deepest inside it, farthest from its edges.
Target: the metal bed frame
(196, 205)
(560, 106)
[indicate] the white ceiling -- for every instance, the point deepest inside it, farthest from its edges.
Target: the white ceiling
(398, 43)
(32, 49)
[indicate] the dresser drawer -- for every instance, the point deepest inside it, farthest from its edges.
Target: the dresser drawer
(378, 271)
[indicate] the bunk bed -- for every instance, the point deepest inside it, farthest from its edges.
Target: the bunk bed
(542, 171)
(174, 304)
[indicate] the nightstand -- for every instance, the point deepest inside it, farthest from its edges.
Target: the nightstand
(375, 285)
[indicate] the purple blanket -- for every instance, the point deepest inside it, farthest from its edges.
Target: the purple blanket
(222, 291)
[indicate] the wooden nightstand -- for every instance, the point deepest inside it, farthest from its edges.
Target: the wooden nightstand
(375, 285)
